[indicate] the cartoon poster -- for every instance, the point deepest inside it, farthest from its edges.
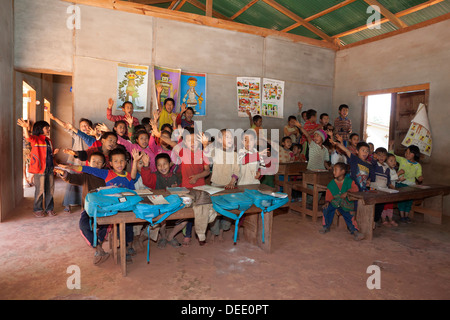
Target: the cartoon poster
(272, 98)
(193, 92)
(248, 95)
(169, 79)
(132, 84)
(419, 132)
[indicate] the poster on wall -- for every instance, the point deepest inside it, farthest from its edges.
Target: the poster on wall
(132, 84)
(193, 92)
(272, 98)
(169, 80)
(419, 132)
(248, 95)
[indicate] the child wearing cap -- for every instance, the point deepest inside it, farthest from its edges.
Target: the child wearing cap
(318, 154)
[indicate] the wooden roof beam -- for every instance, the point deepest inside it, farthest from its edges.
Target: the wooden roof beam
(150, 2)
(243, 9)
(385, 12)
(298, 19)
(201, 6)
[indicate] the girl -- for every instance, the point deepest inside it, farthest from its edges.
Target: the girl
(121, 129)
(165, 109)
(142, 139)
(290, 130)
(41, 164)
(187, 121)
(412, 172)
(388, 209)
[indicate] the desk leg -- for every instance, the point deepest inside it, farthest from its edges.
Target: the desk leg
(123, 249)
(115, 244)
(252, 230)
(432, 209)
(364, 218)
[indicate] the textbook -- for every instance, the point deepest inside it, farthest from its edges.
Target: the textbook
(178, 190)
(157, 199)
(209, 189)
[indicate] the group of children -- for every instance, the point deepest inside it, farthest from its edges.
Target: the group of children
(166, 151)
(356, 165)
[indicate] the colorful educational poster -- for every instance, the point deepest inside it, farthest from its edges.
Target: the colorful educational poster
(193, 92)
(132, 84)
(248, 95)
(272, 97)
(169, 80)
(419, 132)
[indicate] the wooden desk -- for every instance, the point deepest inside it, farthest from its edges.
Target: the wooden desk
(252, 224)
(432, 205)
(286, 170)
(319, 180)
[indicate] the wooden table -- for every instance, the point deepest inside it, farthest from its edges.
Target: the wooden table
(432, 205)
(319, 181)
(252, 224)
(289, 169)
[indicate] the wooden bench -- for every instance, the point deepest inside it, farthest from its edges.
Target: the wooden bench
(430, 196)
(252, 224)
(288, 170)
(319, 181)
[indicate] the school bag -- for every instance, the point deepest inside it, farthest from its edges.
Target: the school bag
(105, 202)
(148, 212)
(266, 202)
(223, 204)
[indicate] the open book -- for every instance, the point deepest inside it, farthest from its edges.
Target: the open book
(209, 189)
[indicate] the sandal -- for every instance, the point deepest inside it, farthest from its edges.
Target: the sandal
(186, 241)
(174, 243)
(39, 214)
(52, 213)
(100, 257)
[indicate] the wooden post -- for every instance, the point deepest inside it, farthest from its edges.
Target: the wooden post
(209, 8)
(365, 219)
(123, 248)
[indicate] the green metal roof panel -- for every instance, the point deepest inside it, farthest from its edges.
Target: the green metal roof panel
(263, 15)
(302, 31)
(187, 7)
(427, 13)
(368, 33)
(338, 21)
(307, 8)
(227, 7)
(395, 6)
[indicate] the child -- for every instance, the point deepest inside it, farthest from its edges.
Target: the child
(301, 115)
(286, 154)
(324, 120)
(290, 130)
(388, 209)
(297, 151)
(256, 124)
(381, 178)
(250, 160)
(165, 109)
(89, 182)
(161, 179)
(41, 165)
(342, 124)
(142, 144)
(187, 121)
(361, 171)
(412, 172)
(353, 141)
(318, 154)
(371, 156)
(310, 127)
(121, 129)
(127, 108)
(336, 199)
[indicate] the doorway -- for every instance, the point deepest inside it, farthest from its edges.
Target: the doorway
(28, 114)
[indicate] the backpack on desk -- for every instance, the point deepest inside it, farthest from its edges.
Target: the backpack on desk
(105, 202)
(266, 202)
(223, 204)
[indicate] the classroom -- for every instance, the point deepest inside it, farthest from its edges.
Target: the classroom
(307, 97)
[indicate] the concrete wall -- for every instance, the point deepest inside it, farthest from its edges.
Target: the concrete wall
(416, 57)
(7, 123)
(106, 37)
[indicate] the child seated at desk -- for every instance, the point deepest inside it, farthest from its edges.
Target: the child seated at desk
(336, 198)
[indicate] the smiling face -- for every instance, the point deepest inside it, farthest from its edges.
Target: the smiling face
(381, 157)
(409, 155)
(189, 115)
(128, 108)
(163, 166)
(354, 140)
(317, 138)
(118, 163)
(169, 106)
(84, 127)
(343, 112)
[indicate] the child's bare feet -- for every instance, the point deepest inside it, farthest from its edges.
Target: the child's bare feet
(393, 223)
(186, 241)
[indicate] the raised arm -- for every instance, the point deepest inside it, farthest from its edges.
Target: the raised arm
(158, 96)
(24, 124)
(340, 145)
(249, 117)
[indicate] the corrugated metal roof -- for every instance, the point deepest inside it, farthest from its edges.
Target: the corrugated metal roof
(348, 21)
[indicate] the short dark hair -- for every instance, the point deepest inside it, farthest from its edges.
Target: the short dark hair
(145, 120)
(342, 106)
(165, 126)
(97, 153)
(169, 99)
(381, 150)
(89, 122)
(292, 118)
(323, 115)
(139, 132)
(362, 144)
(256, 117)
(39, 126)
(389, 155)
(162, 155)
(107, 134)
(123, 105)
(117, 151)
(298, 145)
(352, 135)
(415, 150)
(341, 165)
(310, 113)
(286, 138)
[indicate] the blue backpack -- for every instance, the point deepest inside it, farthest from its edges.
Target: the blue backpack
(233, 201)
(266, 202)
(148, 212)
(108, 202)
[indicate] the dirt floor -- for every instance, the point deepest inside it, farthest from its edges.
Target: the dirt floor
(413, 258)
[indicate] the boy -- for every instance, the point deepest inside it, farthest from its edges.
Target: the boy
(256, 124)
(342, 124)
(128, 109)
(336, 199)
(89, 182)
(318, 154)
(160, 180)
(381, 178)
(286, 154)
(301, 115)
(324, 119)
(250, 160)
(361, 171)
(166, 109)
(310, 127)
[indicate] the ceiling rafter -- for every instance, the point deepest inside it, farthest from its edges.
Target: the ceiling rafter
(298, 19)
(385, 12)
(243, 9)
(384, 20)
(201, 6)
